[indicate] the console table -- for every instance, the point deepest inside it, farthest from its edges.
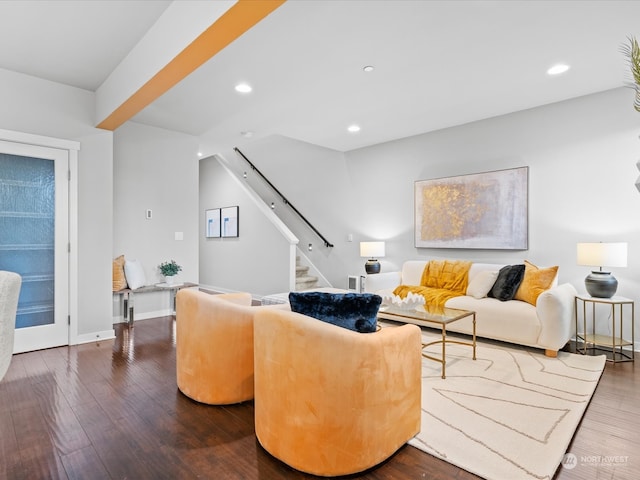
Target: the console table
(127, 295)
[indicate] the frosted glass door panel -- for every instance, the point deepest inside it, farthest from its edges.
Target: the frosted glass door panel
(27, 234)
(34, 239)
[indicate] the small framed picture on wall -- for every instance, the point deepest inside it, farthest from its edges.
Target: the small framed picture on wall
(212, 223)
(229, 221)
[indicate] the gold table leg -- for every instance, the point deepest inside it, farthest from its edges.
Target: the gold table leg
(444, 357)
(474, 335)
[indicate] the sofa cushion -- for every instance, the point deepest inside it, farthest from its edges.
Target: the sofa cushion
(507, 283)
(355, 311)
(412, 271)
(512, 321)
(535, 281)
(482, 283)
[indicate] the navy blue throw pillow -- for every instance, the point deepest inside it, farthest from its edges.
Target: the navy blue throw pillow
(355, 311)
(507, 283)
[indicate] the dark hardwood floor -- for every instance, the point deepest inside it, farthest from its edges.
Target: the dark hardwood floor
(112, 410)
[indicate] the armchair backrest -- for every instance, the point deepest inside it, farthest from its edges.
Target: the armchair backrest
(10, 283)
(214, 346)
(330, 401)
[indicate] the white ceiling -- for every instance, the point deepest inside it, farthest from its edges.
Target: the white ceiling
(437, 63)
(74, 42)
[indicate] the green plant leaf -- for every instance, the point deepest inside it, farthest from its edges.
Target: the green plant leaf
(632, 52)
(168, 269)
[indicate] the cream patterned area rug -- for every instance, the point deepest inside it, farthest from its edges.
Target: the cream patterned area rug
(510, 414)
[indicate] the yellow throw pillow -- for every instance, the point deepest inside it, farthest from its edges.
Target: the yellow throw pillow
(535, 281)
(119, 280)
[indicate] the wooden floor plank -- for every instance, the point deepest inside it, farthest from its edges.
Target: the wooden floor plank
(10, 464)
(78, 463)
(35, 447)
(111, 410)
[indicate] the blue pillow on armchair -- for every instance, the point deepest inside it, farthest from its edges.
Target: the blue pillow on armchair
(355, 311)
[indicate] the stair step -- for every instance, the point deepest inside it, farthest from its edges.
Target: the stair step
(306, 278)
(305, 282)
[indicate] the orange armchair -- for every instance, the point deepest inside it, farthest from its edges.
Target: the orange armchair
(330, 401)
(214, 346)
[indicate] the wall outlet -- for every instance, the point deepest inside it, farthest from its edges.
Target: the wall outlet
(148, 214)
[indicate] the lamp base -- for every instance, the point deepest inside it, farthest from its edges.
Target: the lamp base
(372, 266)
(601, 284)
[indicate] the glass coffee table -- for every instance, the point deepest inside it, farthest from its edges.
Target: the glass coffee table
(440, 317)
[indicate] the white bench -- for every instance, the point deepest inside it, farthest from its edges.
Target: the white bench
(127, 295)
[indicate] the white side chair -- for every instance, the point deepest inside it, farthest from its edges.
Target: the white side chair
(9, 291)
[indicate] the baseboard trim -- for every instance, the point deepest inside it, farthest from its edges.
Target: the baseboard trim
(95, 337)
(144, 315)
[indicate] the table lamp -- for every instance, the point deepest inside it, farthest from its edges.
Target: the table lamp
(372, 250)
(598, 283)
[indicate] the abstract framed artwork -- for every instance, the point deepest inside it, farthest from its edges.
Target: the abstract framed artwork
(484, 211)
(212, 223)
(229, 221)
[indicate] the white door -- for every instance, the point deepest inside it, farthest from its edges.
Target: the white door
(34, 240)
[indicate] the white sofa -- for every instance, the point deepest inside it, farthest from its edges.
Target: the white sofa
(548, 325)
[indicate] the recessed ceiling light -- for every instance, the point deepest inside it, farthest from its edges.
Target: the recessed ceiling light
(558, 69)
(247, 134)
(369, 68)
(243, 88)
(199, 154)
(353, 128)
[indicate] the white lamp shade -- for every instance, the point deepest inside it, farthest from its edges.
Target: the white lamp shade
(372, 249)
(602, 254)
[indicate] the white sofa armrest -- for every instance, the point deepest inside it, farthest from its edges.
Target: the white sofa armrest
(382, 281)
(556, 312)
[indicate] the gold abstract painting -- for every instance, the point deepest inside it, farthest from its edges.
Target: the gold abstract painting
(484, 210)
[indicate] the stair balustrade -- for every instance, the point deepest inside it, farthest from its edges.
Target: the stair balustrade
(283, 198)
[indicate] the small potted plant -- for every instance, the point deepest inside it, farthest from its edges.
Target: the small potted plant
(632, 52)
(169, 270)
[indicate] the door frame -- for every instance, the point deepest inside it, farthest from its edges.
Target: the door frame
(73, 148)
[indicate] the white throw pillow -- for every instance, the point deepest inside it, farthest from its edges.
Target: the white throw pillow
(135, 274)
(481, 284)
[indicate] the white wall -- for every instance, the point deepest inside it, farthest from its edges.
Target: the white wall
(40, 107)
(258, 261)
(155, 169)
(95, 206)
(581, 156)
(318, 184)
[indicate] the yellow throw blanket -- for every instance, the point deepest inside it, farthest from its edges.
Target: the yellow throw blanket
(441, 280)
